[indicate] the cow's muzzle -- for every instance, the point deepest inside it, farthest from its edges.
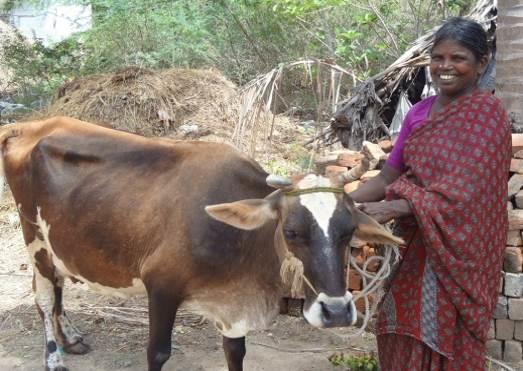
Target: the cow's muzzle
(327, 311)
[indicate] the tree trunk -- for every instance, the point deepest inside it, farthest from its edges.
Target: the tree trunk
(509, 59)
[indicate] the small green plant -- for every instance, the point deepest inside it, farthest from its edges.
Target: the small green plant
(365, 362)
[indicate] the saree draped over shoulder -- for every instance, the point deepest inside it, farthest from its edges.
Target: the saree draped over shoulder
(456, 184)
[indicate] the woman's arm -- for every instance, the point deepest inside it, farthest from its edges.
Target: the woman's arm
(374, 188)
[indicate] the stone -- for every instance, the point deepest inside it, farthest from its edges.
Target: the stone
(494, 348)
(501, 283)
(518, 154)
(513, 286)
(515, 219)
(513, 351)
(516, 165)
(513, 260)
(504, 329)
(514, 238)
(518, 198)
(515, 309)
(518, 330)
(510, 206)
(373, 153)
(501, 309)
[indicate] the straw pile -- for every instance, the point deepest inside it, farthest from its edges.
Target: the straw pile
(150, 103)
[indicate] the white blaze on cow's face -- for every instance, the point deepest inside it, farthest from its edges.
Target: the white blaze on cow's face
(327, 311)
(321, 204)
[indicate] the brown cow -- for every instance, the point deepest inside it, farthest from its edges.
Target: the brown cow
(126, 214)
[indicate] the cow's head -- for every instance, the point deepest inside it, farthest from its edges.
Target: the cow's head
(316, 221)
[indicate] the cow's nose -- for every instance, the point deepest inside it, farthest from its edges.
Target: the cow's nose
(336, 314)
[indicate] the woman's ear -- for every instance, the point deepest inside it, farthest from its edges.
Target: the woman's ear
(483, 63)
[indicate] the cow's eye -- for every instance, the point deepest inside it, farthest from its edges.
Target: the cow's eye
(290, 234)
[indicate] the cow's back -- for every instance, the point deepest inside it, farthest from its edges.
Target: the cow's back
(117, 206)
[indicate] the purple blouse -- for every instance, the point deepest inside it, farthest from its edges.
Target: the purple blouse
(414, 118)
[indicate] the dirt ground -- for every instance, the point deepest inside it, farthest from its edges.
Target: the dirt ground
(117, 329)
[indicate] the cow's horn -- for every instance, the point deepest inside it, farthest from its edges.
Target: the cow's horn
(277, 181)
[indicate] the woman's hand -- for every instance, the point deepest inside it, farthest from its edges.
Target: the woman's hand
(385, 211)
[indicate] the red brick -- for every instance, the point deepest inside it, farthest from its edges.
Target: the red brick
(349, 159)
(333, 170)
(353, 280)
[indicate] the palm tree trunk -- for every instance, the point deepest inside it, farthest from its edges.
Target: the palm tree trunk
(509, 59)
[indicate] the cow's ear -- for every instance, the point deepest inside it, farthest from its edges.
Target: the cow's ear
(368, 229)
(245, 214)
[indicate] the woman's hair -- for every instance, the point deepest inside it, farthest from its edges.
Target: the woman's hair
(468, 33)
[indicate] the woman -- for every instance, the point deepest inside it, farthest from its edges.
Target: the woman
(446, 184)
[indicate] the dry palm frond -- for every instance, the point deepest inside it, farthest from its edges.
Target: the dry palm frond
(361, 118)
(258, 98)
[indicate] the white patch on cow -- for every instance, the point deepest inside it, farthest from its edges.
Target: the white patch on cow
(45, 299)
(313, 314)
(71, 333)
(237, 329)
(320, 204)
(137, 287)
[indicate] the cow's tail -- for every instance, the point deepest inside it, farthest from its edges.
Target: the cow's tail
(6, 132)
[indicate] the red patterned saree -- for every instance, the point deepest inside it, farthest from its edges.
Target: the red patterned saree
(437, 312)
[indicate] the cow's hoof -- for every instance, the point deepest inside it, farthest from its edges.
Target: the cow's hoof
(59, 368)
(77, 348)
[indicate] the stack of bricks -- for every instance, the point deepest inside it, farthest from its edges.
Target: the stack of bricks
(505, 338)
(357, 167)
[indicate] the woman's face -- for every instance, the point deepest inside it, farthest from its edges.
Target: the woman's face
(454, 68)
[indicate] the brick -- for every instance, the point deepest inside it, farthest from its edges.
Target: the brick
(515, 309)
(504, 329)
(518, 199)
(352, 186)
(370, 174)
(514, 238)
(491, 334)
(518, 330)
(349, 159)
(514, 184)
(501, 309)
(517, 143)
(513, 286)
(513, 351)
(360, 303)
(515, 219)
(516, 165)
(519, 154)
(495, 348)
(354, 280)
(385, 145)
(358, 256)
(333, 170)
(512, 260)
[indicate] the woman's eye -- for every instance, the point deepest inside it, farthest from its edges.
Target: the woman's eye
(290, 234)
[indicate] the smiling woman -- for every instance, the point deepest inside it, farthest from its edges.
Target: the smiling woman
(448, 167)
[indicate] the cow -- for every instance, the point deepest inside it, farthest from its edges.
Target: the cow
(191, 223)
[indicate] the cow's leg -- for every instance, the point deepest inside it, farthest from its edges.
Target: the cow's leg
(44, 288)
(162, 311)
(68, 335)
(234, 352)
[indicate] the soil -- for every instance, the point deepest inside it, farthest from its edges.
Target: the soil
(117, 330)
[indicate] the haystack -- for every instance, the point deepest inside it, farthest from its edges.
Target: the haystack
(7, 35)
(150, 103)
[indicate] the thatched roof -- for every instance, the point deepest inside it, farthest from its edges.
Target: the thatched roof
(367, 114)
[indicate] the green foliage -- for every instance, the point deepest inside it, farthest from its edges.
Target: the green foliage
(242, 38)
(355, 363)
